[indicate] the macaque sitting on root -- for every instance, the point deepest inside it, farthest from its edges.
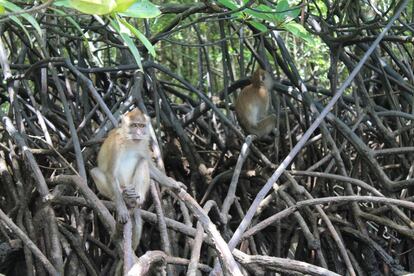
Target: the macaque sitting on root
(122, 174)
(252, 105)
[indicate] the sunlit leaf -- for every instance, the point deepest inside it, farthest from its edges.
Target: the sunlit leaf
(319, 6)
(258, 26)
(123, 31)
(228, 4)
(99, 7)
(282, 6)
(12, 7)
(62, 3)
(142, 9)
(263, 12)
(299, 31)
(18, 22)
(294, 12)
(283, 11)
(277, 16)
(140, 36)
(5, 107)
(123, 5)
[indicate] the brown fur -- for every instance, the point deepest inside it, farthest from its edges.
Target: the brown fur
(252, 105)
(123, 169)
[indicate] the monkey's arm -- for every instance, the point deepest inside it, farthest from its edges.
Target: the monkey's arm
(139, 185)
(265, 126)
(134, 196)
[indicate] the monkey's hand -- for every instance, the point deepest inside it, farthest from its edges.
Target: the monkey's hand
(130, 197)
(122, 212)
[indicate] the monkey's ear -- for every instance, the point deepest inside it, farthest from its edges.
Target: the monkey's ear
(123, 119)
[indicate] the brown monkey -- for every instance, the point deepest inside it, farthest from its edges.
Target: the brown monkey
(123, 171)
(252, 105)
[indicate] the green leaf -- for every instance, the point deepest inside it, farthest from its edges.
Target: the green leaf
(282, 6)
(18, 22)
(123, 32)
(5, 107)
(228, 4)
(283, 11)
(262, 28)
(319, 7)
(266, 14)
(70, 19)
(277, 16)
(294, 12)
(142, 9)
(99, 7)
(299, 31)
(10, 6)
(140, 36)
(123, 5)
(62, 3)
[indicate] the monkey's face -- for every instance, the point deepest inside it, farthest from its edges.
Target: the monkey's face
(266, 80)
(262, 75)
(135, 125)
(262, 78)
(138, 130)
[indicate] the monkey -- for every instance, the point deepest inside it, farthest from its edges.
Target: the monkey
(122, 174)
(252, 105)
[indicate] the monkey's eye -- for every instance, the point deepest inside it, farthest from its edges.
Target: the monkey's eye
(138, 125)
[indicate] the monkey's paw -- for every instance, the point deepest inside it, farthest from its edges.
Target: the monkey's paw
(123, 215)
(130, 197)
(130, 193)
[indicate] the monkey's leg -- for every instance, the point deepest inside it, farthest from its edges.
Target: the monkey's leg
(265, 126)
(110, 188)
(121, 209)
(141, 180)
(101, 182)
